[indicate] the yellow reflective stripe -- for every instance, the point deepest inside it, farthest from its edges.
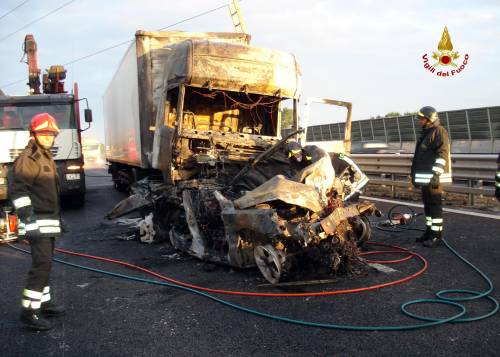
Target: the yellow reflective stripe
(31, 227)
(441, 161)
(437, 228)
(46, 290)
(50, 230)
(423, 180)
(424, 175)
(498, 174)
(26, 303)
(295, 151)
(32, 294)
(48, 222)
(437, 220)
(22, 202)
(438, 169)
(45, 298)
(497, 184)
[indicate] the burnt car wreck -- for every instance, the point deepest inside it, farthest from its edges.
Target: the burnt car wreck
(228, 193)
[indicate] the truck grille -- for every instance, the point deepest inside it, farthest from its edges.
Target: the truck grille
(13, 153)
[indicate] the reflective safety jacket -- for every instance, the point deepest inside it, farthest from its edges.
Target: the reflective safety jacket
(432, 157)
(34, 191)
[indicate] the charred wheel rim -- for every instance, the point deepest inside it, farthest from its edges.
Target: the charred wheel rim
(361, 227)
(269, 262)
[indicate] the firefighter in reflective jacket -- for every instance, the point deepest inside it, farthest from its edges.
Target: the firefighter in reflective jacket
(34, 192)
(431, 168)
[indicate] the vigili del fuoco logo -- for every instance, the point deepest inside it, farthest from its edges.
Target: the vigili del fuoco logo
(445, 62)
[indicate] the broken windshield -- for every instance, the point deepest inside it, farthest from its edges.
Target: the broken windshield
(18, 116)
(232, 112)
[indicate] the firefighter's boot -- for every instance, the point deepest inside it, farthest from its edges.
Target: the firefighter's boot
(425, 236)
(49, 309)
(33, 319)
(435, 240)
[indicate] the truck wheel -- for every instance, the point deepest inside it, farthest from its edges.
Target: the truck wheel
(269, 261)
(362, 229)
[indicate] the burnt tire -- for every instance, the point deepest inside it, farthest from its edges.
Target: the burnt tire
(270, 262)
(362, 229)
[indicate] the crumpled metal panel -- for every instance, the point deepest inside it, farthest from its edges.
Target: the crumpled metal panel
(319, 175)
(233, 67)
(280, 188)
(238, 254)
(130, 204)
(330, 223)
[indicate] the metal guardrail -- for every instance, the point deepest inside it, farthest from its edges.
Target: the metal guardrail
(474, 130)
(472, 173)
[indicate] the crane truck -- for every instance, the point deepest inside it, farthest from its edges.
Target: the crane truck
(15, 117)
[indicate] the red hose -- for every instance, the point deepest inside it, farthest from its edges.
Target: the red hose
(268, 294)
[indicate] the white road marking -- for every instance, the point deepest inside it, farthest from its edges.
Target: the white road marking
(382, 268)
(451, 210)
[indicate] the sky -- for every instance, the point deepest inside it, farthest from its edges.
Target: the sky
(365, 52)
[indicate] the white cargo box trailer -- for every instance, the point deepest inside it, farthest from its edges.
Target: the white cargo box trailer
(131, 97)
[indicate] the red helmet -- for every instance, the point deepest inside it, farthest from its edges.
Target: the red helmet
(44, 123)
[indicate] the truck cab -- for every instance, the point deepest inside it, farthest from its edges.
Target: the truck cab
(220, 106)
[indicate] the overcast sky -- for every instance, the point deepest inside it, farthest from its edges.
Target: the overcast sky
(365, 52)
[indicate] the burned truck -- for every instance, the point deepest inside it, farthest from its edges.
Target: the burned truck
(219, 184)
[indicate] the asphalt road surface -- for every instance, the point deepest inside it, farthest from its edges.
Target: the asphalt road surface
(111, 317)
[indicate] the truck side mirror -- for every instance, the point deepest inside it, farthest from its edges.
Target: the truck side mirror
(88, 115)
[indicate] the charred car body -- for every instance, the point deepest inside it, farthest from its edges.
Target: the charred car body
(220, 185)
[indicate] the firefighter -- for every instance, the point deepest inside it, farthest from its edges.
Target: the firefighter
(34, 192)
(497, 179)
(431, 168)
(304, 156)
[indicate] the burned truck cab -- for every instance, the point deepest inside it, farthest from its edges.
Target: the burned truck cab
(220, 106)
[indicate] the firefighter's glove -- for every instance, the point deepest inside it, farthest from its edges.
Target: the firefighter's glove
(434, 182)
